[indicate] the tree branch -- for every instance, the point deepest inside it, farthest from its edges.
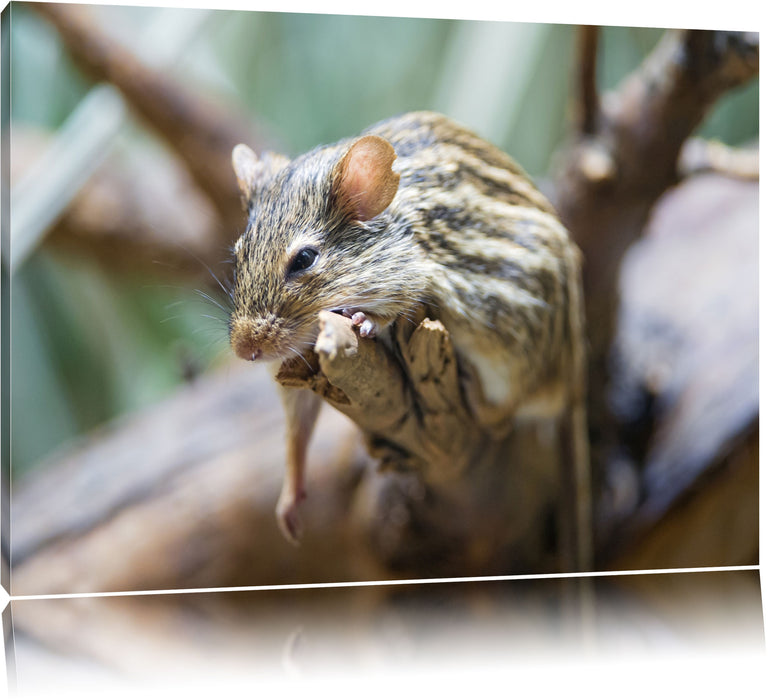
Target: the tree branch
(454, 483)
(702, 156)
(608, 182)
(410, 400)
(676, 85)
(588, 87)
(201, 134)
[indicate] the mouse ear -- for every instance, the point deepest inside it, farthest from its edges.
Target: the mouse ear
(244, 162)
(364, 183)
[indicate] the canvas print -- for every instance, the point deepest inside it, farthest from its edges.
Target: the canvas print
(303, 299)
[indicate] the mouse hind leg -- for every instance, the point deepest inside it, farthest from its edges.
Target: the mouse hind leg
(301, 408)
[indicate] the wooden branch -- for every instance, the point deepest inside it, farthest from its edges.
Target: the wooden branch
(700, 156)
(608, 182)
(606, 207)
(186, 492)
(455, 483)
(201, 134)
(139, 214)
(589, 105)
(410, 401)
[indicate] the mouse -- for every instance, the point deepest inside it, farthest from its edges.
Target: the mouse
(415, 210)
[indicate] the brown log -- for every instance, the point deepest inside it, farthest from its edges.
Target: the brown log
(685, 383)
(183, 495)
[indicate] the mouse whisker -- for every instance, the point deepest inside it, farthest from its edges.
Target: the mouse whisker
(207, 297)
(302, 357)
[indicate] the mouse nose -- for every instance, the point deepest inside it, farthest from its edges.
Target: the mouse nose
(247, 350)
(251, 355)
(246, 340)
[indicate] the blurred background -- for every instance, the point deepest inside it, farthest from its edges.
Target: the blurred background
(88, 344)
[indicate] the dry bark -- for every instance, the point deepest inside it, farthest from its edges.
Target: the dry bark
(185, 493)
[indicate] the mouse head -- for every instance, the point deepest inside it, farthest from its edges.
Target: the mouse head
(313, 242)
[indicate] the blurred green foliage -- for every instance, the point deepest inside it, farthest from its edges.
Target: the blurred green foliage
(88, 346)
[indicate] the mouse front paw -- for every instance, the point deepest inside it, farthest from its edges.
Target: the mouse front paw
(368, 327)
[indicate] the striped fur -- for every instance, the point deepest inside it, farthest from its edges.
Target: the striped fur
(467, 234)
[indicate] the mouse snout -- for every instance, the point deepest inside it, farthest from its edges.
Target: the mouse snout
(251, 338)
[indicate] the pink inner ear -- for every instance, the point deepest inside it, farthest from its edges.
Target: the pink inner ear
(367, 182)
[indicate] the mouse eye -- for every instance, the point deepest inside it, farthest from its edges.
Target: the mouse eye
(303, 260)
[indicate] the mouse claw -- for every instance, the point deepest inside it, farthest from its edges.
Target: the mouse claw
(288, 517)
(367, 327)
